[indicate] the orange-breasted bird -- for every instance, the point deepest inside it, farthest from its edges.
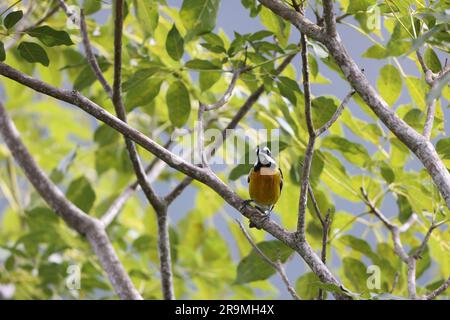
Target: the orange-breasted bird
(265, 182)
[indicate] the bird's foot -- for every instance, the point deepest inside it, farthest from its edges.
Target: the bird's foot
(245, 203)
(266, 216)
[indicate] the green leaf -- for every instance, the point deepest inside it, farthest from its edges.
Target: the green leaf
(443, 148)
(275, 24)
(436, 90)
(50, 37)
(208, 79)
(81, 193)
(87, 77)
(253, 267)
(357, 244)
(375, 52)
(323, 109)
(305, 286)
(359, 5)
(259, 35)
(416, 88)
(12, 18)
(2, 51)
(389, 84)
(138, 77)
(105, 135)
(432, 61)
(179, 103)
(355, 273)
(142, 93)
(352, 152)
(199, 16)
(198, 64)
(239, 171)
(32, 52)
(91, 6)
(148, 16)
(213, 39)
(175, 44)
(387, 173)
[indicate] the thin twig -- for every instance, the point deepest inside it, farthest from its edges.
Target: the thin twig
(439, 290)
(276, 265)
(228, 93)
(216, 105)
(201, 136)
(304, 185)
(429, 75)
(325, 232)
(91, 57)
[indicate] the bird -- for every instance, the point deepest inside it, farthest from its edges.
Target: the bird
(265, 182)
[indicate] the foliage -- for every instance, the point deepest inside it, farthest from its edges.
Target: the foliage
(175, 57)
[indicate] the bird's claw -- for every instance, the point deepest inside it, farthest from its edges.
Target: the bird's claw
(264, 218)
(245, 203)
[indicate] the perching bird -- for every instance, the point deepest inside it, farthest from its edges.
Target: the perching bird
(265, 182)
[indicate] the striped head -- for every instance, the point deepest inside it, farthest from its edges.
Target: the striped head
(264, 158)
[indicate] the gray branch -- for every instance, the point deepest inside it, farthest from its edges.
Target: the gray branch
(304, 185)
(156, 202)
(329, 17)
(229, 92)
(432, 295)
(91, 57)
(152, 171)
(84, 224)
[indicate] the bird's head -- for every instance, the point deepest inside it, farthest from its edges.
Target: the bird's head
(264, 156)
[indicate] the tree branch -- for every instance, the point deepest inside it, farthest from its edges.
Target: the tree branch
(72, 215)
(325, 232)
(91, 57)
(429, 75)
(423, 245)
(152, 171)
(329, 17)
(229, 92)
(439, 290)
(304, 185)
(201, 136)
(276, 265)
(157, 203)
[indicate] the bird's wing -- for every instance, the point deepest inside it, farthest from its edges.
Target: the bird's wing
(281, 180)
